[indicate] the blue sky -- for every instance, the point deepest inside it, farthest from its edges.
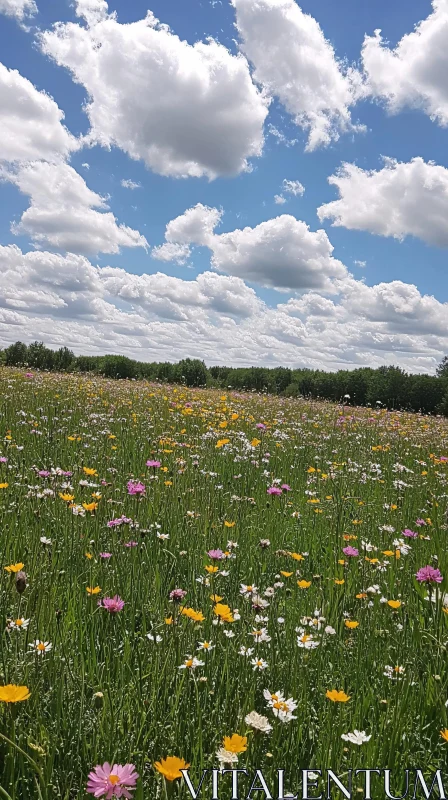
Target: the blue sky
(246, 199)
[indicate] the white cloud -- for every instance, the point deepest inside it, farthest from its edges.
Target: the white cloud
(170, 251)
(279, 200)
(413, 73)
(402, 199)
(18, 8)
(293, 187)
(186, 110)
(30, 122)
(62, 212)
(65, 300)
(195, 226)
(294, 62)
(282, 252)
(128, 184)
(93, 11)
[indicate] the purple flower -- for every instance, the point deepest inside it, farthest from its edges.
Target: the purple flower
(429, 575)
(274, 490)
(177, 595)
(420, 522)
(106, 781)
(105, 555)
(410, 534)
(114, 523)
(285, 487)
(43, 473)
(217, 555)
(112, 605)
(261, 426)
(136, 488)
(350, 551)
(154, 464)
(29, 375)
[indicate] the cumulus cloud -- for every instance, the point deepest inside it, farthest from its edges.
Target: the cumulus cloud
(63, 211)
(402, 199)
(65, 300)
(18, 8)
(185, 110)
(282, 253)
(30, 122)
(294, 62)
(413, 73)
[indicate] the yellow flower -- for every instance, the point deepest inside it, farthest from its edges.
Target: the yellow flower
(304, 584)
(388, 553)
(229, 524)
(235, 743)
(211, 569)
(88, 555)
(168, 620)
(90, 472)
(4, 485)
(90, 506)
(14, 694)
(15, 567)
(170, 767)
(285, 574)
(297, 556)
(215, 598)
(68, 498)
(337, 696)
(222, 442)
(197, 616)
(444, 734)
(361, 596)
(223, 612)
(255, 442)
(93, 589)
(168, 483)
(394, 603)
(350, 623)
(96, 495)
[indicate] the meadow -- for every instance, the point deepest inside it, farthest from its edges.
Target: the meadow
(215, 579)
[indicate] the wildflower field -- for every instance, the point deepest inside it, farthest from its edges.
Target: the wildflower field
(191, 577)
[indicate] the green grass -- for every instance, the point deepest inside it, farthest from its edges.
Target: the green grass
(150, 707)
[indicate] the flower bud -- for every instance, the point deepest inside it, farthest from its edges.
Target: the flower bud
(20, 582)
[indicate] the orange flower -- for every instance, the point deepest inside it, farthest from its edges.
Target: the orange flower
(394, 603)
(197, 616)
(170, 767)
(15, 567)
(235, 743)
(337, 696)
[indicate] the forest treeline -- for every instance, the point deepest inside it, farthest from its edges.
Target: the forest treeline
(390, 387)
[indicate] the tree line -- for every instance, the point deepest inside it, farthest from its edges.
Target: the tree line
(389, 387)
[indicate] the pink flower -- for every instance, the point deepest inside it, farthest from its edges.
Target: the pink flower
(154, 464)
(112, 604)
(217, 555)
(409, 533)
(274, 490)
(420, 522)
(106, 555)
(106, 781)
(285, 487)
(131, 544)
(177, 595)
(350, 551)
(261, 426)
(136, 487)
(429, 575)
(43, 473)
